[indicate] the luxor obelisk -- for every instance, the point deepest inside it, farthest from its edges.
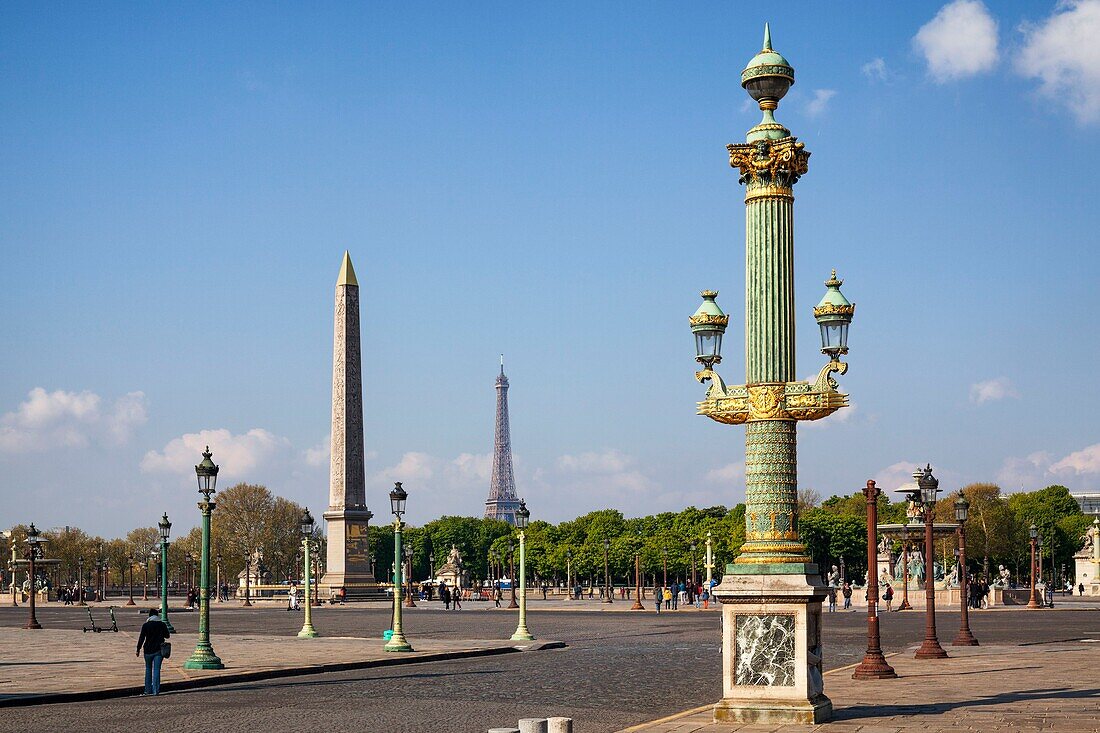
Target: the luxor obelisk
(348, 555)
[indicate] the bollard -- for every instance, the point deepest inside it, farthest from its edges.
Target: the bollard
(559, 725)
(532, 725)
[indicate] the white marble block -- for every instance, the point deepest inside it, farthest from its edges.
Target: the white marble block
(771, 650)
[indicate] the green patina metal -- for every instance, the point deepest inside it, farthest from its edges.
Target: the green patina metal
(771, 402)
(204, 657)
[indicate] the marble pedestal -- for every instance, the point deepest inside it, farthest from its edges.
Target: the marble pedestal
(348, 556)
(771, 645)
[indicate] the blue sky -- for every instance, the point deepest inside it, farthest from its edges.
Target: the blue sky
(177, 188)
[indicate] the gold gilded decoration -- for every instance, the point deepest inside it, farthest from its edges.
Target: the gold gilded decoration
(766, 401)
(769, 192)
(739, 404)
(830, 309)
(709, 319)
(770, 162)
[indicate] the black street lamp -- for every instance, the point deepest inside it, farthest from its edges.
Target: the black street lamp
(512, 572)
(204, 657)
(930, 648)
(964, 637)
(130, 559)
(34, 551)
(1033, 533)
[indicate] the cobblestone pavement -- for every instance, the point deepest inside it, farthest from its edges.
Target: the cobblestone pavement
(620, 669)
(984, 688)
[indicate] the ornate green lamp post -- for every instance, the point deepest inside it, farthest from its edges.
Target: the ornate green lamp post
(522, 517)
(397, 642)
(204, 657)
(771, 595)
(165, 528)
(305, 524)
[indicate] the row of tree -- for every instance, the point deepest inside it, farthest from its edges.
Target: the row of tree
(249, 519)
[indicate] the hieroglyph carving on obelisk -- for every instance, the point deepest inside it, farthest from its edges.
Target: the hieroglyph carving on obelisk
(348, 519)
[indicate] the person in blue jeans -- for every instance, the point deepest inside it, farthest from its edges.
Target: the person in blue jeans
(152, 637)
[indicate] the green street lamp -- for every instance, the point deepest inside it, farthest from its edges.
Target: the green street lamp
(204, 657)
(774, 563)
(305, 525)
(397, 642)
(165, 528)
(606, 569)
(522, 516)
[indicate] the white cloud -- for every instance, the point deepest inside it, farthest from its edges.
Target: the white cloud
(875, 69)
(895, 475)
(727, 474)
(237, 455)
(959, 42)
(820, 101)
(609, 461)
(60, 419)
(992, 390)
(1086, 460)
(319, 454)
(1063, 53)
(1017, 473)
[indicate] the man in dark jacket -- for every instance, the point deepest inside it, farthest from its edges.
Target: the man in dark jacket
(152, 637)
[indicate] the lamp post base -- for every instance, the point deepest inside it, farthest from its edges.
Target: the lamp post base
(308, 632)
(771, 645)
(522, 634)
(930, 649)
(33, 624)
(204, 658)
(874, 667)
(397, 643)
(965, 638)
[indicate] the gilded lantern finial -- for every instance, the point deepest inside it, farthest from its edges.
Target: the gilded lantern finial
(766, 78)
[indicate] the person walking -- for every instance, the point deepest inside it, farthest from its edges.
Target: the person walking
(847, 593)
(445, 596)
(832, 598)
(497, 595)
(292, 598)
(151, 640)
(668, 598)
(456, 599)
(888, 596)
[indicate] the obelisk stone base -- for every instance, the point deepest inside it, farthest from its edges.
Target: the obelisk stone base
(348, 558)
(771, 645)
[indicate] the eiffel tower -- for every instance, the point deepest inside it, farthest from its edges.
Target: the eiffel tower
(502, 502)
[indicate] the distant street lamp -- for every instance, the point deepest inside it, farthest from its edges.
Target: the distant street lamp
(904, 606)
(145, 578)
(397, 642)
(247, 579)
(930, 648)
(638, 577)
(874, 665)
(843, 572)
(606, 567)
(165, 528)
(10, 535)
(34, 551)
(964, 637)
(522, 516)
(80, 581)
(130, 602)
(408, 553)
(218, 578)
(512, 572)
(305, 525)
(664, 569)
(1033, 533)
(204, 657)
(569, 573)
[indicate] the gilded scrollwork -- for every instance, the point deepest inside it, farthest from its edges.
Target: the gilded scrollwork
(789, 401)
(770, 162)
